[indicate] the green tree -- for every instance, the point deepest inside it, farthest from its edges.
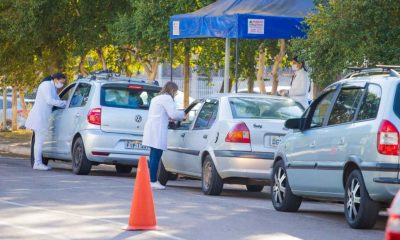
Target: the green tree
(350, 33)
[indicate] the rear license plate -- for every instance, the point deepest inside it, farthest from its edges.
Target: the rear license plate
(135, 145)
(275, 140)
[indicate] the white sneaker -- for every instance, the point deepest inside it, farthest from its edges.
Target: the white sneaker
(41, 167)
(157, 185)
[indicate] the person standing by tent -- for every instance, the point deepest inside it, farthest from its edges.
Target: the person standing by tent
(38, 118)
(162, 108)
(301, 84)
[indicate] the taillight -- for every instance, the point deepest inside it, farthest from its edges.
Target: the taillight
(135, 87)
(388, 139)
(393, 227)
(239, 134)
(94, 116)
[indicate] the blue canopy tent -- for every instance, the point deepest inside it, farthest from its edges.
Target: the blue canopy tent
(251, 19)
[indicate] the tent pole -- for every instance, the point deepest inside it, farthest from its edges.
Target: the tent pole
(170, 57)
(237, 65)
(226, 70)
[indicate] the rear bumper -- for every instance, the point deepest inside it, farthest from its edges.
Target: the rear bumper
(387, 180)
(381, 185)
(114, 145)
(243, 164)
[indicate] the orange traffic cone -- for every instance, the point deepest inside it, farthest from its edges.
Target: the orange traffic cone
(142, 215)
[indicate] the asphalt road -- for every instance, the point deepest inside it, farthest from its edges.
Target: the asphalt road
(59, 205)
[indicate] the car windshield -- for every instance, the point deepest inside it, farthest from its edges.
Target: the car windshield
(264, 108)
(133, 97)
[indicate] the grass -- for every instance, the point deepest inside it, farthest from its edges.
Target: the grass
(19, 135)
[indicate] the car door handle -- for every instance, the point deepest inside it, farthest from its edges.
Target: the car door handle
(183, 134)
(77, 115)
(312, 144)
(205, 136)
(341, 142)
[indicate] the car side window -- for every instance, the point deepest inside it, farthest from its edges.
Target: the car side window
(207, 116)
(370, 105)
(319, 114)
(191, 115)
(345, 107)
(80, 96)
(64, 95)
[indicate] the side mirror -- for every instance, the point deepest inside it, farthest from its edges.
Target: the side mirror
(295, 123)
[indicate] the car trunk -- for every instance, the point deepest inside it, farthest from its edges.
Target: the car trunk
(265, 134)
(129, 121)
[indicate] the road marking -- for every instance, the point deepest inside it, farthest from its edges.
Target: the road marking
(121, 225)
(31, 230)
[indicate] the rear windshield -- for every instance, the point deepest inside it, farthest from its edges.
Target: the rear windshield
(396, 105)
(264, 108)
(127, 96)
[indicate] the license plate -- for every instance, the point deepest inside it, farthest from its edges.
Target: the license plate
(275, 140)
(135, 145)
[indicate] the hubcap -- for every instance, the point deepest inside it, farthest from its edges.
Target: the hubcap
(78, 153)
(207, 175)
(353, 202)
(279, 188)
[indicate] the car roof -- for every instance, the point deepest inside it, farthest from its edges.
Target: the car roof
(249, 95)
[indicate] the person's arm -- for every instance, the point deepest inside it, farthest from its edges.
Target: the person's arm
(48, 96)
(173, 113)
(300, 88)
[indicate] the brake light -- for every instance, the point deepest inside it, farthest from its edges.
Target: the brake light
(388, 139)
(135, 87)
(239, 134)
(94, 116)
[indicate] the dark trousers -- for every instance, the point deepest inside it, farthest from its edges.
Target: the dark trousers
(155, 156)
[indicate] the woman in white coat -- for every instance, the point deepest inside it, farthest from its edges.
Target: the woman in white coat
(162, 108)
(301, 84)
(38, 118)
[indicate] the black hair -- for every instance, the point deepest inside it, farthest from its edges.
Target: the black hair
(296, 59)
(54, 76)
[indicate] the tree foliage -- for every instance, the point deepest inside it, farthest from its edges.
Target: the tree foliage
(350, 33)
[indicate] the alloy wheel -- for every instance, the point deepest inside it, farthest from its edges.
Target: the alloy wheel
(353, 202)
(78, 154)
(279, 188)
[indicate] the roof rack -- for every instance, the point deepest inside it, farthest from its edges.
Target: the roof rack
(379, 69)
(108, 74)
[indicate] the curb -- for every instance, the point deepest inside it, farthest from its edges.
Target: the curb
(16, 148)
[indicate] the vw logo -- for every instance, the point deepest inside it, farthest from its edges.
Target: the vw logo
(138, 118)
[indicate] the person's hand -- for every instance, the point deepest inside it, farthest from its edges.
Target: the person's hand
(283, 92)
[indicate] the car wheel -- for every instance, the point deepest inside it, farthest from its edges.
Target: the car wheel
(360, 210)
(254, 188)
(45, 161)
(282, 197)
(123, 168)
(211, 182)
(162, 174)
(80, 163)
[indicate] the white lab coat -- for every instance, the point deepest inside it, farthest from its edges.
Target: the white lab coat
(300, 86)
(162, 108)
(46, 98)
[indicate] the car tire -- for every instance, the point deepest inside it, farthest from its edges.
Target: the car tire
(45, 161)
(211, 182)
(360, 210)
(282, 197)
(254, 188)
(162, 174)
(80, 163)
(123, 168)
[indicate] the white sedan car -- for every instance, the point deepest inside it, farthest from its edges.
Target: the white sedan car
(228, 138)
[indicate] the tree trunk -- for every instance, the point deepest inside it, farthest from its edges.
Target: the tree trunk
(250, 85)
(14, 124)
(186, 72)
(275, 67)
(260, 72)
(82, 69)
(150, 67)
(101, 56)
(23, 105)
(4, 107)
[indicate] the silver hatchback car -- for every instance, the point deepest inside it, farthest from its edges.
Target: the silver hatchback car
(102, 123)
(344, 148)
